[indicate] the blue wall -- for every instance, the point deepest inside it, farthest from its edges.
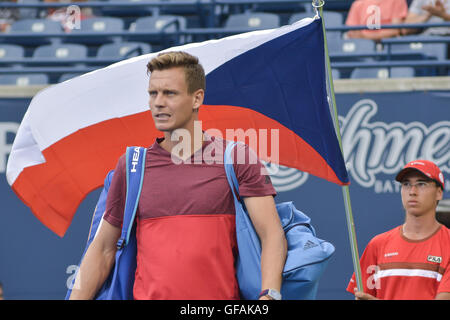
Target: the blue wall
(36, 264)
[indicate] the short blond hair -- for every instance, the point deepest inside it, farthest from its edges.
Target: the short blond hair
(195, 74)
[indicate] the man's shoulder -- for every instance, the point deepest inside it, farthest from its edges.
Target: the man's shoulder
(386, 236)
(445, 232)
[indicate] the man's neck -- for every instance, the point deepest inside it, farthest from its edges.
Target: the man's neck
(420, 227)
(189, 141)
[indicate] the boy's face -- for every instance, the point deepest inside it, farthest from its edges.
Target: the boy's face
(172, 106)
(419, 194)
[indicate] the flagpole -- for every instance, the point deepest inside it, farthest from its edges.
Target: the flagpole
(318, 6)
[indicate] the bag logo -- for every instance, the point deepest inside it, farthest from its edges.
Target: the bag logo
(309, 244)
(135, 160)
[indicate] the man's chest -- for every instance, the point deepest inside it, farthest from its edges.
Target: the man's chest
(185, 189)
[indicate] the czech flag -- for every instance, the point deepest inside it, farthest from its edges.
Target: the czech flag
(74, 132)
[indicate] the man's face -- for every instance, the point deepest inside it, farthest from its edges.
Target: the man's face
(171, 105)
(419, 194)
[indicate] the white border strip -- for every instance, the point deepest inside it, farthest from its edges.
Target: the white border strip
(408, 273)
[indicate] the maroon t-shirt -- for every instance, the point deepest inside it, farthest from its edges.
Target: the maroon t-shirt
(186, 227)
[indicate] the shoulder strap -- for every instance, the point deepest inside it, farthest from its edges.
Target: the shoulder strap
(135, 164)
(229, 170)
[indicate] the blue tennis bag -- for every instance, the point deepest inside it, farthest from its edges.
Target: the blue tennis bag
(307, 255)
(119, 284)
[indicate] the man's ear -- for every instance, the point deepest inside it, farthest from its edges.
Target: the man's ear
(198, 95)
(439, 194)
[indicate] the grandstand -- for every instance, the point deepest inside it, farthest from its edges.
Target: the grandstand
(36, 49)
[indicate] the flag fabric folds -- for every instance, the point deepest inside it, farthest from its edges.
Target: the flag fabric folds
(74, 132)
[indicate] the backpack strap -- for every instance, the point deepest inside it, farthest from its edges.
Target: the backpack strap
(135, 164)
(229, 170)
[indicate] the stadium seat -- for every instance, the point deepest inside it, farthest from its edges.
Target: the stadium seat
(299, 16)
(382, 73)
(351, 46)
(436, 51)
(61, 51)
(129, 11)
(11, 51)
(252, 20)
(36, 26)
(28, 13)
(101, 25)
(182, 7)
(161, 23)
(68, 76)
(97, 28)
(335, 73)
(420, 50)
(32, 27)
(24, 79)
(157, 29)
(333, 19)
(123, 50)
(279, 6)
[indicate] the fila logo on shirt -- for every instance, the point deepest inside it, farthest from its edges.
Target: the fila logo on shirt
(434, 259)
(135, 159)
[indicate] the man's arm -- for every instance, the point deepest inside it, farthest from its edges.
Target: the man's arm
(97, 263)
(443, 296)
(267, 224)
(414, 18)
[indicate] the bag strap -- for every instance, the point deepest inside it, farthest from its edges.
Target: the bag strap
(135, 164)
(229, 170)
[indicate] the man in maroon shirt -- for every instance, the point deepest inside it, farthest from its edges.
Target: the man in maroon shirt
(186, 235)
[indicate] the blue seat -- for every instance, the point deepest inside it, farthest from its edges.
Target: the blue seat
(157, 29)
(11, 51)
(36, 26)
(279, 6)
(31, 27)
(28, 13)
(130, 11)
(299, 16)
(253, 21)
(68, 76)
(94, 31)
(160, 23)
(335, 73)
(101, 25)
(383, 73)
(333, 19)
(24, 79)
(436, 51)
(61, 51)
(183, 7)
(123, 50)
(351, 46)
(420, 50)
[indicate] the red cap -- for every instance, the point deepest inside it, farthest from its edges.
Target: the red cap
(426, 167)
